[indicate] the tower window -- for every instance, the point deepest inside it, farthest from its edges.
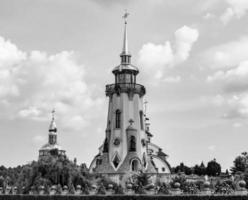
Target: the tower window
(118, 119)
(135, 165)
(132, 146)
(141, 120)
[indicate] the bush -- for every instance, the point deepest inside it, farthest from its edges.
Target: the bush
(190, 188)
(163, 188)
(224, 187)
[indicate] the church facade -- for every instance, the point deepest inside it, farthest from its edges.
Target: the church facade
(127, 147)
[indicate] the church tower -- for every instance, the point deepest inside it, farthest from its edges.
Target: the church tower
(125, 148)
(51, 148)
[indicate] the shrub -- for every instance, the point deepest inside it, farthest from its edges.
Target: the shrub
(163, 188)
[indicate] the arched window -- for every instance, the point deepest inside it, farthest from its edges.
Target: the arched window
(132, 146)
(118, 119)
(135, 165)
(141, 120)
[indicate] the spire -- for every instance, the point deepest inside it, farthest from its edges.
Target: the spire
(125, 41)
(52, 127)
(125, 56)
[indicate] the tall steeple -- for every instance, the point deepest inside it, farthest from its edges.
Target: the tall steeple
(125, 55)
(52, 127)
(52, 139)
(125, 41)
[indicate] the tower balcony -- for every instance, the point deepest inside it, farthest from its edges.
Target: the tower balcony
(130, 88)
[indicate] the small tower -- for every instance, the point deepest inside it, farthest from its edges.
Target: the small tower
(51, 148)
(125, 148)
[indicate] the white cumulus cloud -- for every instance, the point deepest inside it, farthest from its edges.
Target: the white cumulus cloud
(32, 83)
(236, 9)
(227, 55)
(156, 58)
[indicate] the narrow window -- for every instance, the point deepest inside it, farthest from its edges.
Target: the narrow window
(132, 146)
(118, 119)
(141, 120)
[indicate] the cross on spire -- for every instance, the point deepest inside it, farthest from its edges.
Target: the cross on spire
(53, 113)
(125, 16)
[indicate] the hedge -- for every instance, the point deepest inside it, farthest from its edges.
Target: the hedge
(121, 197)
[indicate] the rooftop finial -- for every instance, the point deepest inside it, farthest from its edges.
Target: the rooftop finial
(125, 42)
(125, 16)
(53, 113)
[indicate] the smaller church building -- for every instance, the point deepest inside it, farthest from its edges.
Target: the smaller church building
(52, 148)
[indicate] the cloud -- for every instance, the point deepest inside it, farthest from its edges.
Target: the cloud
(227, 16)
(209, 16)
(236, 9)
(235, 106)
(226, 55)
(156, 58)
(232, 80)
(34, 82)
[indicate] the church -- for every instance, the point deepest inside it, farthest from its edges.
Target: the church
(52, 148)
(127, 147)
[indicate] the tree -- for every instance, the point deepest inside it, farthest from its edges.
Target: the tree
(183, 168)
(213, 168)
(240, 163)
(200, 170)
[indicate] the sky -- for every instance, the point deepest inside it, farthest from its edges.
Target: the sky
(193, 61)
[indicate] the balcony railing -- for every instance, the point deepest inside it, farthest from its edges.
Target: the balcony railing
(125, 88)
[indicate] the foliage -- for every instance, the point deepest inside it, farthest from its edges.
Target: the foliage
(213, 168)
(140, 181)
(46, 172)
(163, 188)
(240, 163)
(224, 187)
(200, 170)
(183, 168)
(104, 182)
(190, 188)
(181, 179)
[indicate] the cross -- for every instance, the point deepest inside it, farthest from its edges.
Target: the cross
(131, 122)
(53, 113)
(125, 16)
